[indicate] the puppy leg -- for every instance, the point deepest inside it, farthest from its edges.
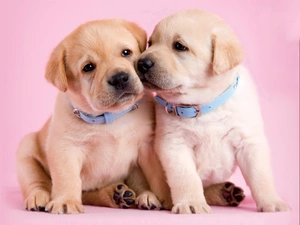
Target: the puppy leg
(145, 198)
(224, 194)
(155, 175)
(114, 196)
(183, 179)
(65, 167)
(254, 162)
(34, 181)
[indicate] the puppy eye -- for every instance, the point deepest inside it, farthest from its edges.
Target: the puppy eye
(88, 67)
(149, 43)
(126, 52)
(180, 47)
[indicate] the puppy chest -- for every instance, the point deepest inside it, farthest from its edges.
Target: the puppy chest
(214, 155)
(107, 164)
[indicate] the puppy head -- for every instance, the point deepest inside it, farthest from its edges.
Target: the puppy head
(187, 50)
(94, 65)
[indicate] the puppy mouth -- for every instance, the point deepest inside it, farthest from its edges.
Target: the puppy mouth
(124, 95)
(130, 91)
(155, 87)
(149, 85)
(127, 96)
(116, 101)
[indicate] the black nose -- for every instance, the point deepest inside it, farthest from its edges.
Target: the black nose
(119, 80)
(144, 65)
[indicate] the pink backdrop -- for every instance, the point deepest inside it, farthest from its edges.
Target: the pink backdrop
(269, 31)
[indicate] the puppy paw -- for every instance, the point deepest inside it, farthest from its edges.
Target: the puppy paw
(64, 207)
(124, 197)
(148, 201)
(231, 194)
(191, 208)
(37, 200)
(274, 206)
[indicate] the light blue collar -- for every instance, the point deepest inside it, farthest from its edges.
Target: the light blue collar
(190, 111)
(104, 118)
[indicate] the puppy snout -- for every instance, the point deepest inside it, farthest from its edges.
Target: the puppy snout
(145, 64)
(119, 81)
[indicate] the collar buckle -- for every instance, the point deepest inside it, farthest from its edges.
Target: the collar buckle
(135, 107)
(77, 113)
(197, 110)
(169, 108)
(189, 111)
(181, 110)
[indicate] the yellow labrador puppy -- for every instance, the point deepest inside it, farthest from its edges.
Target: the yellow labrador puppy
(100, 126)
(207, 113)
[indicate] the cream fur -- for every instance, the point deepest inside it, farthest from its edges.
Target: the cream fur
(198, 152)
(68, 156)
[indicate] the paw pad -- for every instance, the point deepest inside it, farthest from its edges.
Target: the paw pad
(232, 194)
(124, 197)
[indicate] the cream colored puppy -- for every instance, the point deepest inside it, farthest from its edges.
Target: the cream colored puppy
(100, 126)
(207, 112)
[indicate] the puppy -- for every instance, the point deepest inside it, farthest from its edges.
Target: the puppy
(208, 119)
(100, 125)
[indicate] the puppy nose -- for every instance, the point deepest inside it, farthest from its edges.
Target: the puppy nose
(144, 65)
(119, 80)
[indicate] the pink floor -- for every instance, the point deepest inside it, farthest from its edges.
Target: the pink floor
(270, 33)
(245, 214)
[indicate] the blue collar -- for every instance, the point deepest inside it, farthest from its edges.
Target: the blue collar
(190, 111)
(105, 117)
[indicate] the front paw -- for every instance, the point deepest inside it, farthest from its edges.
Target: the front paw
(148, 201)
(64, 207)
(191, 208)
(37, 200)
(274, 206)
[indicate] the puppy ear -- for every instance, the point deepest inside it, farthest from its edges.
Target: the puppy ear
(55, 70)
(227, 51)
(139, 33)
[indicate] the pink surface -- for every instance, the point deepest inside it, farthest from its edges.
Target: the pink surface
(269, 31)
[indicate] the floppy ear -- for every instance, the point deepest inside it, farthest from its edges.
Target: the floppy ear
(139, 33)
(55, 70)
(227, 51)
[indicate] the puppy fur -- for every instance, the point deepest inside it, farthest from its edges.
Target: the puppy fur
(69, 156)
(194, 57)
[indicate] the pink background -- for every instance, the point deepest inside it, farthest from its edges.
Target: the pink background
(269, 31)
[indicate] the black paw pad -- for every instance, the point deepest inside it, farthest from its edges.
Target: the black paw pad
(128, 194)
(228, 184)
(152, 206)
(120, 186)
(42, 209)
(237, 191)
(144, 207)
(129, 201)
(239, 198)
